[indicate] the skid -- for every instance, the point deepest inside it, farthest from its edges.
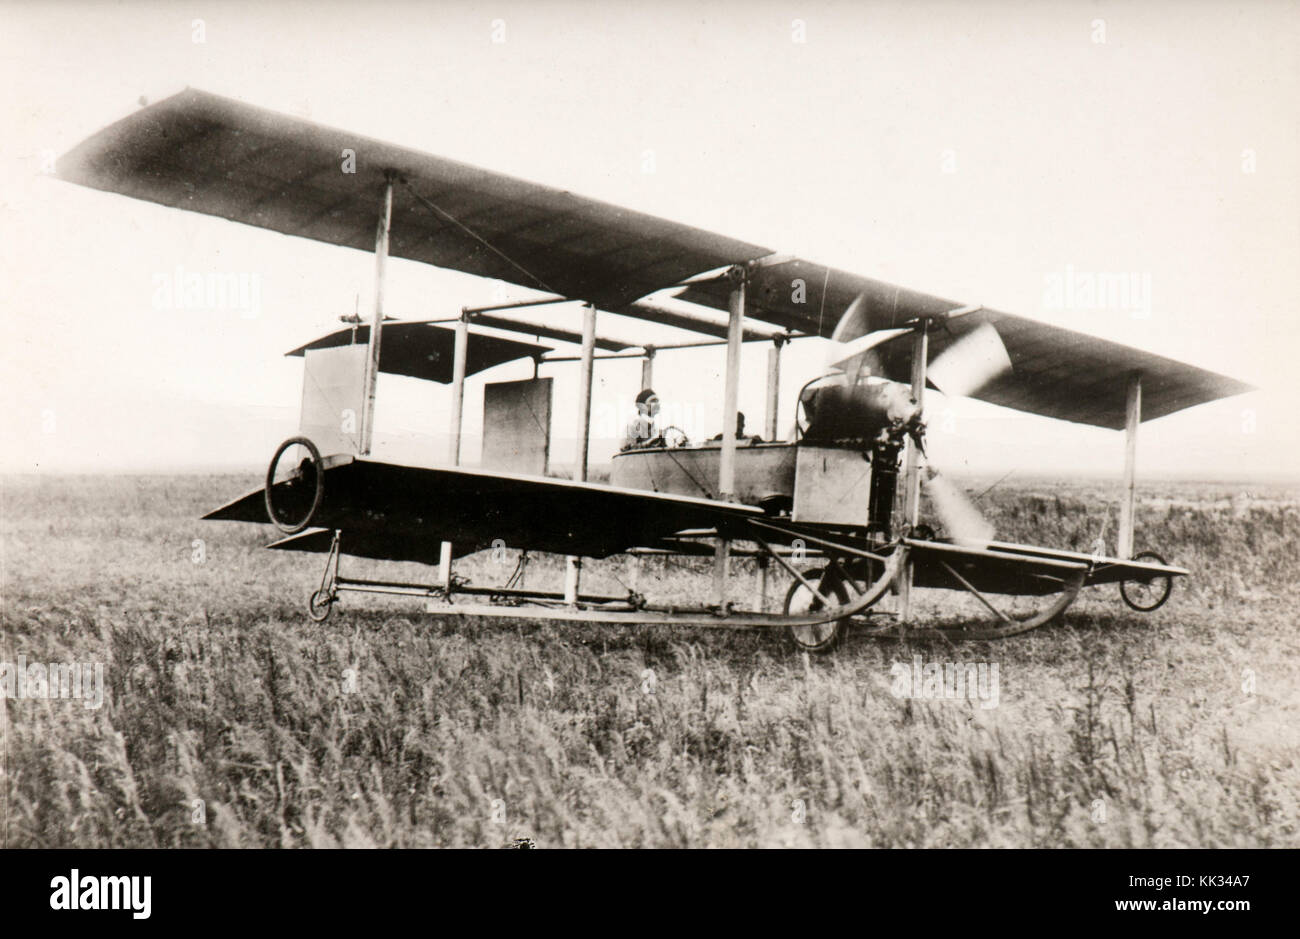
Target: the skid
(629, 609)
(893, 559)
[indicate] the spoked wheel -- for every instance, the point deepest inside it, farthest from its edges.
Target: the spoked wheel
(294, 490)
(820, 637)
(321, 605)
(1147, 593)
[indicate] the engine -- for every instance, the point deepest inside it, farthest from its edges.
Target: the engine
(856, 415)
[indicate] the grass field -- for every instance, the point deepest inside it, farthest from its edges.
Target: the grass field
(229, 719)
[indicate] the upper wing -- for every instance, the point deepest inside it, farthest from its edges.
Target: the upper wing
(810, 298)
(1055, 372)
(210, 154)
(405, 512)
(1071, 376)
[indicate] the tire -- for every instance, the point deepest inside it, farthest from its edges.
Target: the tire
(1145, 596)
(320, 606)
(822, 637)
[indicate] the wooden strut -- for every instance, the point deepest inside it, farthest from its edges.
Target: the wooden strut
(1132, 419)
(1071, 585)
(826, 601)
(602, 609)
(371, 379)
(458, 367)
(978, 596)
(730, 406)
(511, 603)
(770, 426)
(573, 564)
(806, 536)
(911, 470)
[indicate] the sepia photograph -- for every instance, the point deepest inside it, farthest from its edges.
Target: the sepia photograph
(564, 425)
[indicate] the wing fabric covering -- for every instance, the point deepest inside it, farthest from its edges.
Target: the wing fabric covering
(1067, 375)
(1055, 372)
(397, 512)
(214, 155)
(205, 153)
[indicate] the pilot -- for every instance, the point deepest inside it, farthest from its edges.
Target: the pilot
(740, 431)
(642, 430)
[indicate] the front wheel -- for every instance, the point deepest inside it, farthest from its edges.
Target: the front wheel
(321, 605)
(819, 637)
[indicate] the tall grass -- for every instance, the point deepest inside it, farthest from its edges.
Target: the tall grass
(232, 720)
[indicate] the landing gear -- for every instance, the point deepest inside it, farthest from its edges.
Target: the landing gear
(1148, 593)
(958, 609)
(820, 637)
(321, 603)
(855, 582)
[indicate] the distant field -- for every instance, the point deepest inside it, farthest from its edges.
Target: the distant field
(230, 719)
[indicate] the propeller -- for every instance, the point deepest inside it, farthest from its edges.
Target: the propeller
(857, 357)
(968, 364)
(849, 325)
(962, 369)
(963, 522)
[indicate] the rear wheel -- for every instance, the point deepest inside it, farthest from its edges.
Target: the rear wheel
(820, 637)
(1147, 593)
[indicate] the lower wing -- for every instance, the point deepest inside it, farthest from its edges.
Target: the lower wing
(398, 512)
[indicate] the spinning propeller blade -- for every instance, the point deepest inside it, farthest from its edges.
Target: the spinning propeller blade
(847, 328)
(970, 363)
(966, 366)
(962, 369)
(850, 357)
(962, 521)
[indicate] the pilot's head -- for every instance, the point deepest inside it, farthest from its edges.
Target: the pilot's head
(647, 402)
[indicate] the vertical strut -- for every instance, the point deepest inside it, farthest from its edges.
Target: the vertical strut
(573, 567)
(912, 476)
(731, 390)
(774, 386)
(1128, 498)
(730, 405)
(377, 323)
(454, 430)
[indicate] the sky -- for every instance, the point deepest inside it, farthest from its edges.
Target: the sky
(978, 151)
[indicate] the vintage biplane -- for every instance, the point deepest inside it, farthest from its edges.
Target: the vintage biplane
(836, 507)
